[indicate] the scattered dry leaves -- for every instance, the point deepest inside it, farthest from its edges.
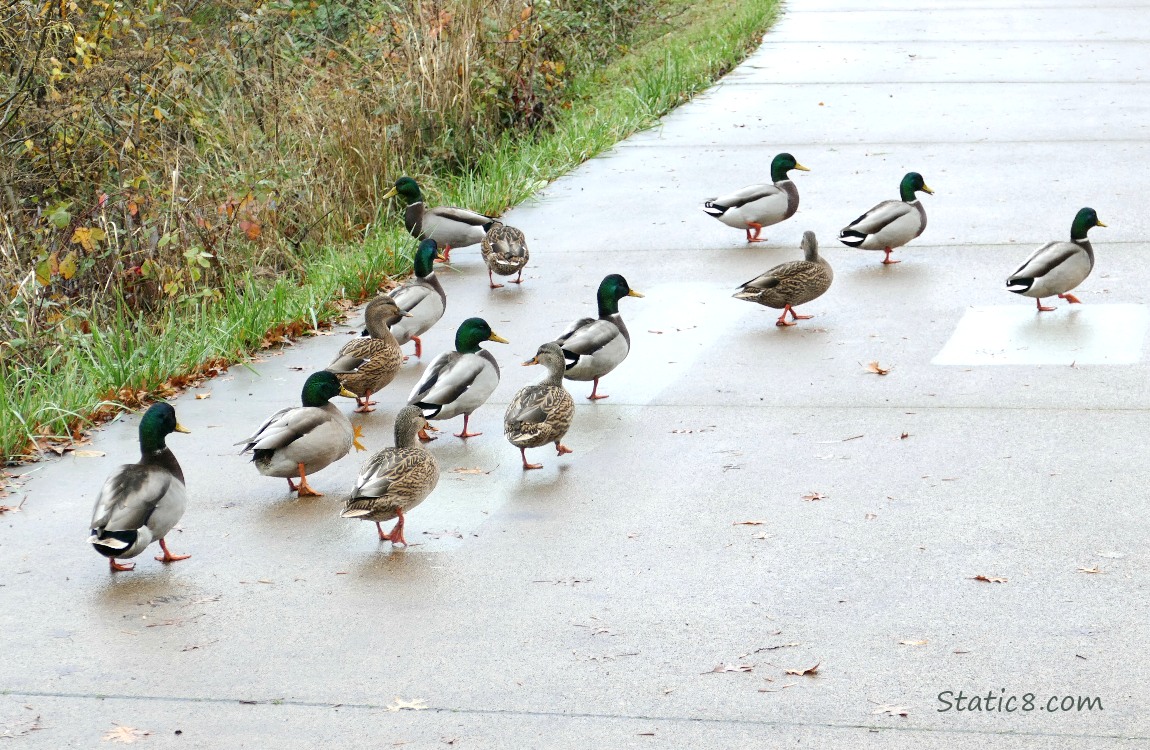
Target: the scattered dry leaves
(15, 729)
(127, 735)
(988, 579)
(876, 368)
(805, 672)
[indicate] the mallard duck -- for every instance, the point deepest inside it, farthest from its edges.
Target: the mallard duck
(141, 502)
(461, 381)
(394, 480)
(540, 414)
(1057, 267)
(790, 284)
(421, 296)
(593, 347)
(367, 364)
(450, 227)
(505, 252)
(890, 224)
(301, 440)
(758, 206)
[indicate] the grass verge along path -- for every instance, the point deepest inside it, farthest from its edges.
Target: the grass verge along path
(130, 362)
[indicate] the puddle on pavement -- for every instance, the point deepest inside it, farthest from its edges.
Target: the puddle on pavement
(1072, 334)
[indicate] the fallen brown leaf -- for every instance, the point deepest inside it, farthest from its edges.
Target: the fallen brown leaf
(89, 454)
(127, 735)
(748, 523)
(812, 496)
(904, 436)
(987, 579)
(1089, 570)
(891, 710)
(913, 643)
(732, 668)
(805, 672)
(202, 396)
(462, 470)
(413, 705)
(876, 369)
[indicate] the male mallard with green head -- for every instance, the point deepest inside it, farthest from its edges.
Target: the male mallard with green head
(890, 224)
(449, 227)
(594, 347)
(1057, 267)
(758, 206)
(421, 296)
(301, 440)
(141, 502)
(460, 381)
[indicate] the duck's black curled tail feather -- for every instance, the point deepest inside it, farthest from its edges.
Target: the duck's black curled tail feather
(852, 237)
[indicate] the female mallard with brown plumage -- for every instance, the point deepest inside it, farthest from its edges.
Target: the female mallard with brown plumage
(505, 252)
(395, 480)
(540, 414)
(449, 227)
(790, 284)
(367, 364)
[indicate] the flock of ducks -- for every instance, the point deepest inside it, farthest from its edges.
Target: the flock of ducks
(140, 503)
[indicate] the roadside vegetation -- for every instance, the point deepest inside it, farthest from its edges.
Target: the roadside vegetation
(183, 183)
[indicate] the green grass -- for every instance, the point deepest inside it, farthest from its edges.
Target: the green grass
(607, 106)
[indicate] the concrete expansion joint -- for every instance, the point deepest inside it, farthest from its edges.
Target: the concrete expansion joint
(577, 715)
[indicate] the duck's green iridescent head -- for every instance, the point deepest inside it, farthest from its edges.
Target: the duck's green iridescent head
(473, 332)
(425, 256)
(612, 289)
(406, 187)
(782, 164)
(321, 387)
(158, 422)
(1085, 220)
(912, 183)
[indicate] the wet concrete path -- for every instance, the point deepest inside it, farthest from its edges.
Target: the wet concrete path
(588, 604)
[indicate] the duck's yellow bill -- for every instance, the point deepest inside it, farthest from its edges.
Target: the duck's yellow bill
(801, 168)
(1100, 223)
(496, 337)
(390, 193)
(346, 393)
(633, 293)
(186, 431)
(925, 189)
(532, 361)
